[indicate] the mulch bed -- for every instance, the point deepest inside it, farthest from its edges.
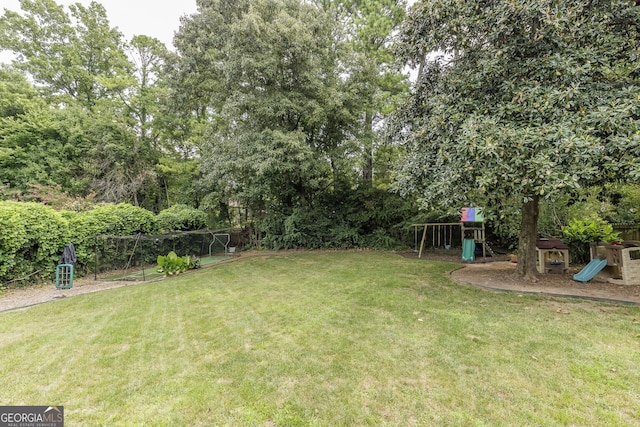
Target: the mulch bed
(499, 274)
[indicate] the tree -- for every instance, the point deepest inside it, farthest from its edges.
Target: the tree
(77, 56)
(375, 76)
(38, 144)
(148, 55)
(373, 81)
(98, 106)
(269, 85)
(16, 93)
(525, 99)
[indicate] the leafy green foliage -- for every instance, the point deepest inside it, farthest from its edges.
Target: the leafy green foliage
(75, 55)
(373, 77)
(528, 100)
(90, 129)
(277, 70)
(40, 145)
(117, 220)
(265, 103)
(178, 177)
(580, 233)
(16, 93)
(347, 219)
(172, 264)
(181, 218)
(626, 203)
(32, 239)
(281, 98)
(34, 235)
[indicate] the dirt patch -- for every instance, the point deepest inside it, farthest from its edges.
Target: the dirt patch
(499, 274)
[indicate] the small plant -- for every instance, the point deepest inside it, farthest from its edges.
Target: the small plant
(172, 264)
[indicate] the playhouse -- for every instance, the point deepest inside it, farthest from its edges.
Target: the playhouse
(619, 263)
(552, 256)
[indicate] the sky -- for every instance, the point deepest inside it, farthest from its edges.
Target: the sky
(154, 18)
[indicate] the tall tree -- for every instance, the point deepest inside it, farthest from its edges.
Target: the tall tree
(373, 76)
(375, 73)
(270, 84)
(148, 56)
(99, 105)
(77, 55)
(525, 98)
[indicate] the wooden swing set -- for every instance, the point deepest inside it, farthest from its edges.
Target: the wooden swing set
(441, 234)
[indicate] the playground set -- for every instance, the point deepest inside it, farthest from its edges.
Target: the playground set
(471, 236)
(617, 263)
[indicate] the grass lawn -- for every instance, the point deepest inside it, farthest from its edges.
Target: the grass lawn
(325, 339)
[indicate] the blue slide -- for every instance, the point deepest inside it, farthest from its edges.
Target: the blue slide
(590, 270)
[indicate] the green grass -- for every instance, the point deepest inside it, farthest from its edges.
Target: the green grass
(326, 339)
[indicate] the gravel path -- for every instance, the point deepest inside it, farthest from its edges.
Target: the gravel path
(25, 297)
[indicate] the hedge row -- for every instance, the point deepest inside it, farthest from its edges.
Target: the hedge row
(33, 235)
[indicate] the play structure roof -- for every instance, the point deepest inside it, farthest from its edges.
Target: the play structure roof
(551, 244)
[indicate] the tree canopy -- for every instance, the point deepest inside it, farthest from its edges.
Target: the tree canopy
(285, 113)
(87, 124)
(76, 55)
(270, 106)
(282, 93)
(524, 99)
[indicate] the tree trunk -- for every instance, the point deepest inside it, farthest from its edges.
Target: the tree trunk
(367, 169)
(527, 240)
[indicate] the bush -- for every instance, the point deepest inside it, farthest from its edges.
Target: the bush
(345, 219)
(117, 220)
(173, 264)
(31, 242)
(181, 218)
(302, 228)
(579, 233)
(50, 195)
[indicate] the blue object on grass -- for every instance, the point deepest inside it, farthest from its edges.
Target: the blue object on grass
(590, 270)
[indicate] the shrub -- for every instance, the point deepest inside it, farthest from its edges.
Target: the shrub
(50, 195)
(347, 218)
(579, 233)
(380, 239)
(173, 264)
(117, 220)
(31, 242)
(181, 218)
